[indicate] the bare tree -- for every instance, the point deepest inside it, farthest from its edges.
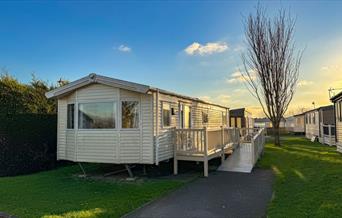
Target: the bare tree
(271, 63)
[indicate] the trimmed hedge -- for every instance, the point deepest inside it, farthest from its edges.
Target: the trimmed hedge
(27, 143)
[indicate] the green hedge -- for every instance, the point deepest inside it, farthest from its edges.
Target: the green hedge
(27, 143)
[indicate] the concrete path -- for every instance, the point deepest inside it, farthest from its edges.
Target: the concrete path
(222, 194)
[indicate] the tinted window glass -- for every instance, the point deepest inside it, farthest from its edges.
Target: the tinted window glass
(130, 114)
(166, 115)
(96, 115)
(70, 116)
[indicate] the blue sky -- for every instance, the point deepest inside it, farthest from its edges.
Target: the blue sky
(147, 42)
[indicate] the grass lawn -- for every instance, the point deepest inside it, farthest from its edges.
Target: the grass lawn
(308, 179)
(58, 193)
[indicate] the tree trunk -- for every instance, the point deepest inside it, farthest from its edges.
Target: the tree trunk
(276, 135)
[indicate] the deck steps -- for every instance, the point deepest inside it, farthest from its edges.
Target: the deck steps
(238, 161)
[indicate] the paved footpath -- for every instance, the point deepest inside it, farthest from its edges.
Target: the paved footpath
(222, 194)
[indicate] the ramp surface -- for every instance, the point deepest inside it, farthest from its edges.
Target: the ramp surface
(239, 161)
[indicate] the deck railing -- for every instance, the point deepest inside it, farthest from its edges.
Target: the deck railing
(199, 141)
(258, 142)
(247, 134)
(190, 141)
(252, 143)
(203, 144)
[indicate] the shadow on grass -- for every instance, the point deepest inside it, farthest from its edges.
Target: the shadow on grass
(79, 214)
(308, 178)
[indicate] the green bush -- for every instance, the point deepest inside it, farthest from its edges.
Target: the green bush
(27, 143)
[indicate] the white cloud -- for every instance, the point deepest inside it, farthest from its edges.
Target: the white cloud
(237, 77)
(302, 83)
(124, 48)
(207, 49)
(206, 98)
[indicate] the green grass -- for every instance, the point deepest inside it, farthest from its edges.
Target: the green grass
(58, 193)
(308, 179)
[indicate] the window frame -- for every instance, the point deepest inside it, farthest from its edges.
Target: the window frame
(182, 115)
(74, 114)
(116, 114)
(207, 115)
(162, 115)
(224, 118)
(120, 113)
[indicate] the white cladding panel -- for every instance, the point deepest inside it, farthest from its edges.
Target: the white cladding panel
(106, 145)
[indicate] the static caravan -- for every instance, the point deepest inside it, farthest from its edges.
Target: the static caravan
(319, 124)
(337, 100)
(299, 124)
(262, 123)
(266, 123)
(289, 123)
(240, 118)
(106, 120)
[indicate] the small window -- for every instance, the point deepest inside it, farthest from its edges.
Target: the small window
(205, 118)
(70, 116)
(98, 115)
(166, 110)
(130, 114)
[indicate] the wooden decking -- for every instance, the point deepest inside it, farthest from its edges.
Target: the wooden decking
(205, 144)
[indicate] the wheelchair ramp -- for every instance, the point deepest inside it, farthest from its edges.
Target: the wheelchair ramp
(239, 161)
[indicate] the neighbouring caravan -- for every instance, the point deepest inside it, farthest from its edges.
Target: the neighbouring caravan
(299, 124)
(289, 123)
(106, 120)
(240, 118)
(266, 123)
(319, 124)
(337, 100)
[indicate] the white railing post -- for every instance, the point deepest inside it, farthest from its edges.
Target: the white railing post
(205, 158)
(330, 136)
(175, 161)
(223, 143)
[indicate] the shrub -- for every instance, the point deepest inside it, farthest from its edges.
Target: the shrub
(27, 143)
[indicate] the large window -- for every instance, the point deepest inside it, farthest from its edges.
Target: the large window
(97, 115)
(166, 110)
(130, 114)
(70, 116)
